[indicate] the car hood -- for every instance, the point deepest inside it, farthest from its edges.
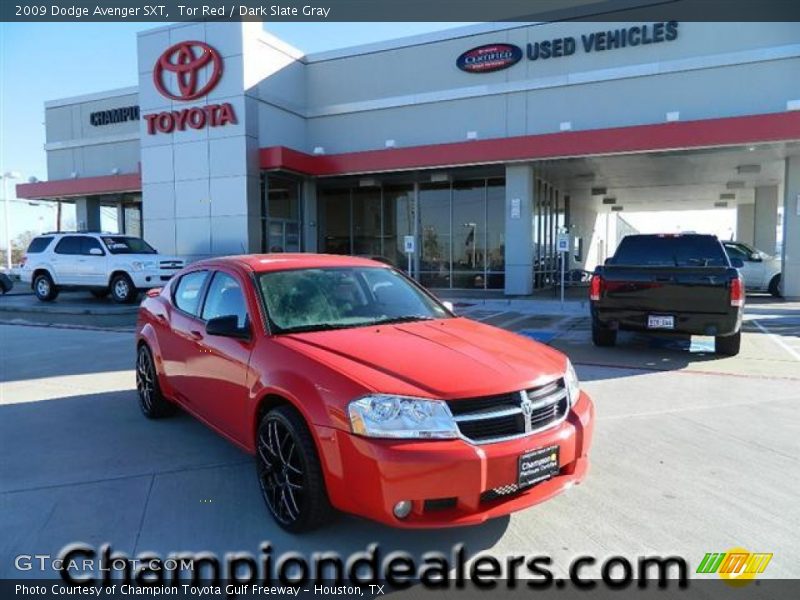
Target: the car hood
(445, 358)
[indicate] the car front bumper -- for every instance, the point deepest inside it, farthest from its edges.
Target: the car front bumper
(450, 482)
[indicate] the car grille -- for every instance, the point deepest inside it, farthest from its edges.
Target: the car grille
(516, 414)
(171, 265)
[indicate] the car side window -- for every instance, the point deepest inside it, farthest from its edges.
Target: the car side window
(89, 243)
(70, 244)
(188, 292)
(225, 298)
(39, 244)
(737, 252)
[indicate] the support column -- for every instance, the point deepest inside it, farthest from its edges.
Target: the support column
(87, 214)
(790, 279)
(519, 230)
(766, 218)
(745, 223)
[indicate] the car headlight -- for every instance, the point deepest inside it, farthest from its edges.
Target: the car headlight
(139, 265)
(572, 384)
(386, 416)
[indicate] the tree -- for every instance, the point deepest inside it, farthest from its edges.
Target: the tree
(19, 246)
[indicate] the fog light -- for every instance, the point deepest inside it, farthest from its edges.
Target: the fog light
(402, 509)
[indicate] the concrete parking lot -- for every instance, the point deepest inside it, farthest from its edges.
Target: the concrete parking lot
(692, 454)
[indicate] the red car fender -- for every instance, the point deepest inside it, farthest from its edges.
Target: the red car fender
(148, 335)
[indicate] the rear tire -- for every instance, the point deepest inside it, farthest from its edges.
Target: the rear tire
(289, 472)
(151, 401)
(44, 288)
(728, 345)
(101, 293)
(775, 286)
(603, 336)
(122, 290)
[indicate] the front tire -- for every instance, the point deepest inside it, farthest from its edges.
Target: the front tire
(44, 288)
(603, 336)
(289, 472)
(152, 402)
(775, 286)
(728, 345)
(122, 289)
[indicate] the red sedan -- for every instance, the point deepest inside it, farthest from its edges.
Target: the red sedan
(356, 389)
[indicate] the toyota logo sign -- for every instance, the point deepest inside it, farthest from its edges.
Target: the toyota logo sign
(184, 62)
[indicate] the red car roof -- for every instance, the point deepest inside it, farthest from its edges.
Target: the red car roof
(300, 260)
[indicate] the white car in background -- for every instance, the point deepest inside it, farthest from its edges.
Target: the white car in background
(761, 272)
(102, 263)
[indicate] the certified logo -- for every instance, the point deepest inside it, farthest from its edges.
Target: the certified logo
(488, 58)
(184, 63)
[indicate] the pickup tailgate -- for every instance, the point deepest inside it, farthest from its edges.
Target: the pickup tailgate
(666, 290)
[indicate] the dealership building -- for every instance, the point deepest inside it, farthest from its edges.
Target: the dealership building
(464, 156)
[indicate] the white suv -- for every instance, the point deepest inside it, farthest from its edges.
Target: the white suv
(103, 263)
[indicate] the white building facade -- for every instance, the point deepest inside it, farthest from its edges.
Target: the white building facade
(481, 143)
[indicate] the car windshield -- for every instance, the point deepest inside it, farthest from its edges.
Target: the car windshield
(341, 297)
(118, 244)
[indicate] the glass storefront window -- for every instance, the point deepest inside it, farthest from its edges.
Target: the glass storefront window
(398, 222)
(469, 234)
(280, 214)
(434, 235)
(367, 225)
(495, 234)
(334, 222)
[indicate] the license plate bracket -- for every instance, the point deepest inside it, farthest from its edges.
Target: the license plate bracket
(660, 322)
(538, 465)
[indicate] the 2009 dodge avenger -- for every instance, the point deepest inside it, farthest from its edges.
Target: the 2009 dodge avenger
(356, 389)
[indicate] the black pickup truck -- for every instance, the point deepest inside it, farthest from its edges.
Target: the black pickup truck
(683, 283)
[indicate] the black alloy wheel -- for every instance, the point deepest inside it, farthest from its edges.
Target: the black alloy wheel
(152, 402)
(289, 471)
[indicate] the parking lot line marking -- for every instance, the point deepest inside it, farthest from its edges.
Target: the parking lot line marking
(777, 339)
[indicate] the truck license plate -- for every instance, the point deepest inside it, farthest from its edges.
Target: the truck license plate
(660, 322)
(537, 465)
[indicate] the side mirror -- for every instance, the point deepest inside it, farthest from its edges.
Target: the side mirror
(449, 306)
(755, 257)
(737, 263)
(96, 252)
(227, 326)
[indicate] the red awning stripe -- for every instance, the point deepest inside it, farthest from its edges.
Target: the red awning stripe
(80, 186)
(730, 131)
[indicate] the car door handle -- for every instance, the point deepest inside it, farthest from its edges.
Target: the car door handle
(196, 335)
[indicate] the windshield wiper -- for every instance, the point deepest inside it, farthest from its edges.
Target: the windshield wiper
(403, 319)
(316, 327)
